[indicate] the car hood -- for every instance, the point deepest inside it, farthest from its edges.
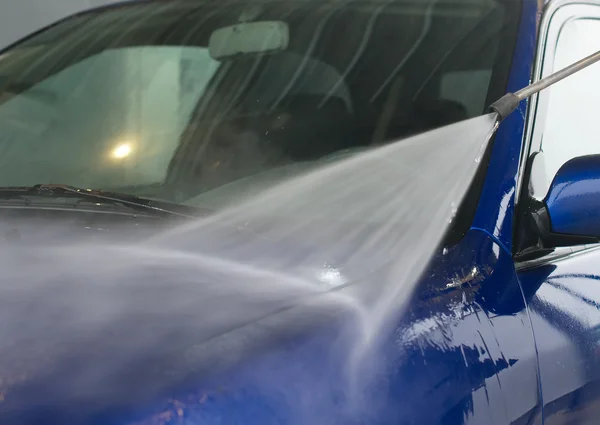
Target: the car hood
(120, 324)
(309, 362)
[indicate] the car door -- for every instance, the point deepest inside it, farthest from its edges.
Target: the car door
(563, 286)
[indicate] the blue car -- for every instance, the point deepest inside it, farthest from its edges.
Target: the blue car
(112, 120)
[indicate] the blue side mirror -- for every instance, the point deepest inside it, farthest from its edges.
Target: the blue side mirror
(573, 202)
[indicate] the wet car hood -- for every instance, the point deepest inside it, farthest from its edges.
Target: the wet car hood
(311, 363)
(54, 385)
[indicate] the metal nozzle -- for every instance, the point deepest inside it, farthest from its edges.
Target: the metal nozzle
(507, 104)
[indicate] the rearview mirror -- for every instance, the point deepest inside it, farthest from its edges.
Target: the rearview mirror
(249, 38)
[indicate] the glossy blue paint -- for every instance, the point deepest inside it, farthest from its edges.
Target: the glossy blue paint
(566, 317)
(573, 201)
(495, 212)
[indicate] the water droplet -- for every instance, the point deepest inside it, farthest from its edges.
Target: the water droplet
(453, 211)
(454, 208)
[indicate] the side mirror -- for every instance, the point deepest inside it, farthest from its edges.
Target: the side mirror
(573, 201)
(570, 212)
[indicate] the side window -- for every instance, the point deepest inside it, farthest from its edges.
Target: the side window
(572, 122)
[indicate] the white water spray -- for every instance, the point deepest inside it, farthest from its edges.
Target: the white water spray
(97, 310)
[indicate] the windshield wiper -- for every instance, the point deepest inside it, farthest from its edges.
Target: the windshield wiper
(100, 197)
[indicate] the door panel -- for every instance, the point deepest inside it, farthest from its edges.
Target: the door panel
(566, 320)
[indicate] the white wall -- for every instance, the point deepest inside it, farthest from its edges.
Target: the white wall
(21, 17)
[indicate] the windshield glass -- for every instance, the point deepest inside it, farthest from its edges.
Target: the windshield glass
(183, 101)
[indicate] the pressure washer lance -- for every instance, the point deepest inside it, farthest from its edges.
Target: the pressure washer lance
(508, 103)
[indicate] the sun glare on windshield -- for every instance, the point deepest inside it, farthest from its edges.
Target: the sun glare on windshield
(122, 150)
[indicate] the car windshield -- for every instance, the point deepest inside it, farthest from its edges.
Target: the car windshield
(203, 102)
